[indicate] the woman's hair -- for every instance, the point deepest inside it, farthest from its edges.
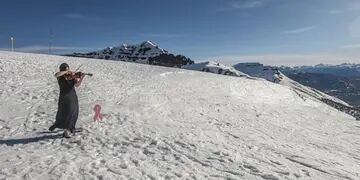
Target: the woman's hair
(63, 67)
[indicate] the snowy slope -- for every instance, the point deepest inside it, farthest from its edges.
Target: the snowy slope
(308, 91)
(135, 53)
(167, 123)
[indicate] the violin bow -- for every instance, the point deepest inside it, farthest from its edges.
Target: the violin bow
(78, 68)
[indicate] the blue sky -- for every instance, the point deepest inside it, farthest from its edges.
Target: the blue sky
(289, 32)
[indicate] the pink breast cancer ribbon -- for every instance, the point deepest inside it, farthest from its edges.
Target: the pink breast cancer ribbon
(98, 116)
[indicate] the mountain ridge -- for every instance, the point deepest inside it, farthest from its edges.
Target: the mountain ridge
(145, 53)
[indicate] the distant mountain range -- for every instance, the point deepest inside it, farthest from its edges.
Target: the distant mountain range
(146, 52)
(342, 70)
(342, 81)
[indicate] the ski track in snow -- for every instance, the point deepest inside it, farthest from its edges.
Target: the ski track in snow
(167, 123)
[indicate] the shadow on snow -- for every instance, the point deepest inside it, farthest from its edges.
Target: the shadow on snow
(11, 142)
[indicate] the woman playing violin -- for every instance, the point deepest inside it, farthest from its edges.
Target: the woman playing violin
(68, 105)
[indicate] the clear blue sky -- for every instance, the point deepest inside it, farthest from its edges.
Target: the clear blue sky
(269, 31)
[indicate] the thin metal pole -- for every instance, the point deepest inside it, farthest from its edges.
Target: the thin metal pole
(12, 44)
(50, 40)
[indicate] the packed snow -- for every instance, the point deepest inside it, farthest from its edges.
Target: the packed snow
(167, 123)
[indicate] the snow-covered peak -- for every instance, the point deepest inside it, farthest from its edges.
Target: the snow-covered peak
(342, 70)
(148, 44)
(330, 69)
(215, 67)
(255, 69)
(139, 53)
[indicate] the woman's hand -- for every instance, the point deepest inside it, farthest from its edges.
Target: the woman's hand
(79, 80)
(70, 73)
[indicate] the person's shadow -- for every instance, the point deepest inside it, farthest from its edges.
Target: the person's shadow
(11, 142)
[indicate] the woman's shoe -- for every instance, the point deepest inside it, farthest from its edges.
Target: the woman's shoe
(52, 128)
(66, 134)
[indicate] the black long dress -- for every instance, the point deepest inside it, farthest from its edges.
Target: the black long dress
(68, 106)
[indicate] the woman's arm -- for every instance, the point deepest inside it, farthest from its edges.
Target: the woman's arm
(61, 73)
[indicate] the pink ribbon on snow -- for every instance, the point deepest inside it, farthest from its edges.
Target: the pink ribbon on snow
(98, 116)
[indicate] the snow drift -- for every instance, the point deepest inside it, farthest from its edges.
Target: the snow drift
(168, 123)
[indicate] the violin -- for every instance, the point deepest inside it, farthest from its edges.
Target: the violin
(76, 75)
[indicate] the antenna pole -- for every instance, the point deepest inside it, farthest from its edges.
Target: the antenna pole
(50, 40)
(12, 43)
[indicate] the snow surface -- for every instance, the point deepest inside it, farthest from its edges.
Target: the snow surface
(167, 123)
